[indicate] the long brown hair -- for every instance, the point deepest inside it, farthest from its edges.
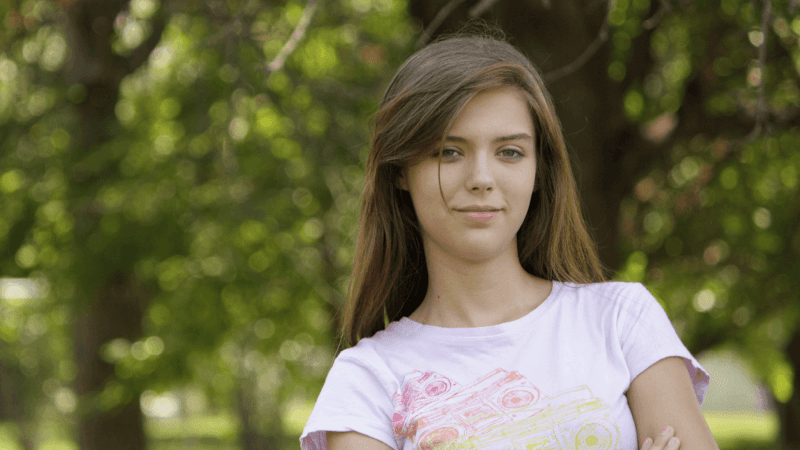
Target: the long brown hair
(427, 93)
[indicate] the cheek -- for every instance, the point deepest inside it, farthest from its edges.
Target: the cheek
(424, 191)
(430, 185)
(519, 184)
(519, 197)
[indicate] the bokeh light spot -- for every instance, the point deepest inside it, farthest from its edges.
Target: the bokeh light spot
(704, 300)
(762, 217)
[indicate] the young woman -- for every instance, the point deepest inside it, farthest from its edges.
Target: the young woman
(476, 306)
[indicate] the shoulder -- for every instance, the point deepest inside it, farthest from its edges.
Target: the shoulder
(609, 293)
(608, 289)
(396, 334)
(373, 353)
(619, 304)
(356, 396)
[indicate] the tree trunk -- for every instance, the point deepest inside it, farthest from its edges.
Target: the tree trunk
(116, 307)
(116, 313)
(12, 408)
(250, 437)
(789, 412)
(246, 409)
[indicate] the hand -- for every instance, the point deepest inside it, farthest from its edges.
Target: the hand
(666, 441)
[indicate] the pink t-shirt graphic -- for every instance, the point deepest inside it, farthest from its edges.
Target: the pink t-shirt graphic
(499, 410)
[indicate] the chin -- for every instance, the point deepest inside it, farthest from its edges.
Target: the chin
(481, 251)
(471, 247)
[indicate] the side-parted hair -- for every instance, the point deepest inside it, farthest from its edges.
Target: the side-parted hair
(427, 93)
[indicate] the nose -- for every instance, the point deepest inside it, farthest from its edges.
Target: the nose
(479, 177)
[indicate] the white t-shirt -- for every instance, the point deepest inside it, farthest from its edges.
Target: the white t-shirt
(555, 378)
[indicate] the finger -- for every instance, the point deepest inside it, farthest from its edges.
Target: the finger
(661, 441)
(647, 444)
(673, 443)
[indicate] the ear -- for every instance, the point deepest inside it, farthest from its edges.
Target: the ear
(402, 181)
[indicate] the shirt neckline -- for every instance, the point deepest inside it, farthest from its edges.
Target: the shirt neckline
(418, 329)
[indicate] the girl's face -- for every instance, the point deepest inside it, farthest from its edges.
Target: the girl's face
(472, 205)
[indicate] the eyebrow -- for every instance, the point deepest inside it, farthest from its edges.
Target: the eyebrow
(512, 137)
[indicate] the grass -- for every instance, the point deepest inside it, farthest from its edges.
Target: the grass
(732, 430)
(213, 426)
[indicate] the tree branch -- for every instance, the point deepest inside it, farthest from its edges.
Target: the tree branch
(141, 53)
(599, 40)
(437, 21)
(480, 8)
(297, 34)
(651, 23)
(761, 104)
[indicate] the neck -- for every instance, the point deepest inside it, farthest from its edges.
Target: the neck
(465, 293)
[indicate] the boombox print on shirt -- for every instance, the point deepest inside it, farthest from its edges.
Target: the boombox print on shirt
(499, 410)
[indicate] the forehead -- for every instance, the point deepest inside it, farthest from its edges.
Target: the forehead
(496, 111)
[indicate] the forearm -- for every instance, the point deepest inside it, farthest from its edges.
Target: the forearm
(663, 394)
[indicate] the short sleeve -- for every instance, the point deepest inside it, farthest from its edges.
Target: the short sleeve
(647, 336)
(352, 399)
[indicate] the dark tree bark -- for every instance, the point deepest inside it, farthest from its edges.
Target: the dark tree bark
(115, 309)
(249, 437)
(789, 412)
(12, 407)
(116, 313)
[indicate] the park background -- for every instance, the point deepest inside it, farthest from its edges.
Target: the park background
(180, 186)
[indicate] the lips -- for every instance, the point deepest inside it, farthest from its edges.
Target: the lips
(479, 213)
(478, 209)
(481, 216)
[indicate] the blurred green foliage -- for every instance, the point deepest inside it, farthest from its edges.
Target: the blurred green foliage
(712, 228)
(229, 190)
(230, 193)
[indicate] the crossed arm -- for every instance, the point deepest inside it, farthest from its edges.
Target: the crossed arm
(661, 395)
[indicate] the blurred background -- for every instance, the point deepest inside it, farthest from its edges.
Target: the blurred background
(180, 183)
